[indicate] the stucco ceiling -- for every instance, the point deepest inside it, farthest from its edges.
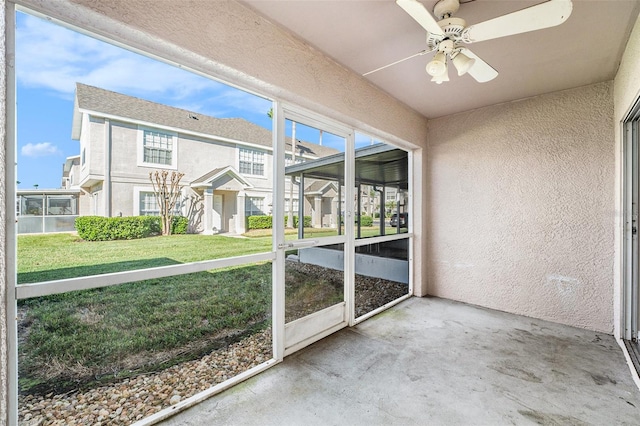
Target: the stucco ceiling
(365, 34)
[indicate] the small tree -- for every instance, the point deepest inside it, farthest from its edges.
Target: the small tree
(167, 190)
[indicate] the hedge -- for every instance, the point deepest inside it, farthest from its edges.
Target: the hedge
(366, 220)
(179, 224)
(98, 228)
(266, 222)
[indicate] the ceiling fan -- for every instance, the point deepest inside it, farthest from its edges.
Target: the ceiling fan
(449, 35)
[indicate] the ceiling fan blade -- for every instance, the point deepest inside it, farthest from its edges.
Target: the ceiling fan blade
(480, 70)
(420, 53)
(422, 16)
(544, 15)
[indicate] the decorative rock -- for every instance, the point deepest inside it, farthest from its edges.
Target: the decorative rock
(137, 397)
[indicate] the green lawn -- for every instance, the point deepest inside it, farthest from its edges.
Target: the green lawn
(83, 338)
(57, 256)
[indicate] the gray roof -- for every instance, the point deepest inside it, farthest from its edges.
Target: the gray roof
(317, 186)
(207, 176)
(378, 164)
(101, 101)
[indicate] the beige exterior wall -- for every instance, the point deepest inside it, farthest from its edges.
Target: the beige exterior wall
(521, 207)
(626, 90)
(95, 147)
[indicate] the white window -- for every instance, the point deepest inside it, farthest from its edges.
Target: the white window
(149, 204)
(157, 148)
(288, 162)
(295, 205)
(253, 206)
(251, 162)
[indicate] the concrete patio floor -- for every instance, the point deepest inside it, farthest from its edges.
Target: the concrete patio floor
(436, 362)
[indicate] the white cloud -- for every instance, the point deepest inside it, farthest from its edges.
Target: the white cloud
(43, 149)
(52, 57)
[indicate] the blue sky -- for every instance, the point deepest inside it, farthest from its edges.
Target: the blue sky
(49, 61)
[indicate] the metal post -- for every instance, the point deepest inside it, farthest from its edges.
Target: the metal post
(339, 208)
(359, 212)
(382, 210)
(301, 207)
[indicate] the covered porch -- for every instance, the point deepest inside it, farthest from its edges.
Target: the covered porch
(223, 193)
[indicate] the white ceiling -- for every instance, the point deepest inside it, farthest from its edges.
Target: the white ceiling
(365, 34)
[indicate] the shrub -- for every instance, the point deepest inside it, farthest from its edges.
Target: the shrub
(306, 221)
(259, 222)
(366, 220)
(98, 228)
(179, 225)
(266, 222)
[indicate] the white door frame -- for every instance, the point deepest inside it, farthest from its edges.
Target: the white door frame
(304, 331)
(631, 226)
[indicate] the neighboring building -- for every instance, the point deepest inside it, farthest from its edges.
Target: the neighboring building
(51, 210)
(47, 210)
(69, 172)
(227, 163)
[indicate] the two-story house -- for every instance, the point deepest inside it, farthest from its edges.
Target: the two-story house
(227, 162)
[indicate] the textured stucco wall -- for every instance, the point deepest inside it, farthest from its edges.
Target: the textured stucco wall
(626, 89)
(521, 207)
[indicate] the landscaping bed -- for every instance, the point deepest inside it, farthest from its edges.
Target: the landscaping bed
(116, 354)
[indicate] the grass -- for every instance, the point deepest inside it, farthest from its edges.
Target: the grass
(84, 338)
(79, 338)
(58, 256)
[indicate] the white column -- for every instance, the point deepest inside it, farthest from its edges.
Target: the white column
(241, 220)
(207, 220)
(316, 220)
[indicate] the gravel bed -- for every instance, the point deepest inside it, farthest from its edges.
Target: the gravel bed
(370, 293)
(132, 399)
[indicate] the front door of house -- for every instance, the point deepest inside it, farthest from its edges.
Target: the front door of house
(314, 257)
(218, 213)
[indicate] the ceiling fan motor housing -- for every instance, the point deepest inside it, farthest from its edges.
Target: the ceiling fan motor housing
(446, 8)
(452, 28)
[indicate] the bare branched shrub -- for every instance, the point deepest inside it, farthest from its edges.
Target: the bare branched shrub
(167, 189)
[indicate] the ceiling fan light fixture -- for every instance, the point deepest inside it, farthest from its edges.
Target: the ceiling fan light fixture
(438, 65)
(439, 79)
(463, 63)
